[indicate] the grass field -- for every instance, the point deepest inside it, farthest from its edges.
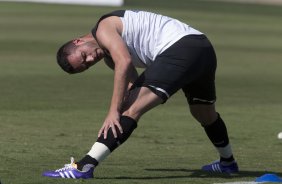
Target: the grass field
(46, 116)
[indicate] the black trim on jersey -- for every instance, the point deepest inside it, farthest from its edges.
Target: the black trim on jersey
(117, 13)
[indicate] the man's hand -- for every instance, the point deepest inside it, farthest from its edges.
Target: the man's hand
(111, 121)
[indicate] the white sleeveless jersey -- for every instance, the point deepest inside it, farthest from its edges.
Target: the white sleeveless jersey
(148, 34)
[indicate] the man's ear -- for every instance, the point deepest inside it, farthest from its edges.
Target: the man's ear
(78, 41)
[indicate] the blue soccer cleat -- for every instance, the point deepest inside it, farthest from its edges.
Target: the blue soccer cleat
(219, 168)
(70, 171)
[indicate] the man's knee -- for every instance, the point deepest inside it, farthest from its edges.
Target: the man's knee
(139, 102)
(205, 114)
(132, 112)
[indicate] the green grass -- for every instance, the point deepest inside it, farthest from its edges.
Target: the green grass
(46, 116)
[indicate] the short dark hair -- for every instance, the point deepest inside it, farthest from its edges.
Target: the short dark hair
(62, 57)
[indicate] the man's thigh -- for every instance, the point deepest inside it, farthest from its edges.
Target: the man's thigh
(201, 92)
(139, 101)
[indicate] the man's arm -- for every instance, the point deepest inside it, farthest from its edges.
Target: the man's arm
(108, 35)
(133, 75)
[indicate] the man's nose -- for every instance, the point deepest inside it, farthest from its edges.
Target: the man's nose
(89, 58)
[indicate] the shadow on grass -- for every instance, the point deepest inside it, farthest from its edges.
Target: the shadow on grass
(190, 173)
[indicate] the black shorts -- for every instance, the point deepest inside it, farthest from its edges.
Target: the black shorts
(190, 65)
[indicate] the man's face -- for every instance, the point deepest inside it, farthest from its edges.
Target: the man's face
(85, 55)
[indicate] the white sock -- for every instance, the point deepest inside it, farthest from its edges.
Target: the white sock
(99, 151)
(225, 152)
